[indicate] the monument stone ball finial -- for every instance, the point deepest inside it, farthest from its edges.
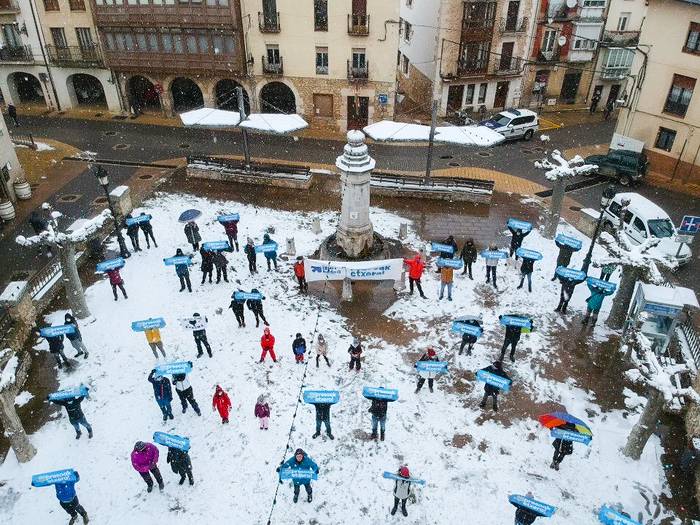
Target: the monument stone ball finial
(355, 137)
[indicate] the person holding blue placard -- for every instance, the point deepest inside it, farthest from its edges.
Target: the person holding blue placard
(526, 269)
(270, 256)
(468, 255)
(68, 500)
(180, 463)
(192, 234)
(75, 414)
(593, 304)
(116, 281)
(323, 415)
(147, 229)
(446, 280)
(564, 257)
(75, 337)
(132, 231)
(162, 393)
(300, 461)
(430, 355)
(524, 516)
(256, 306)
(185, 393)
(238, 308)
(491, 264)
(513, 333)
(56, 349)
(402, 490)
(450, 241)
(154, 341)
(251, 255)
(562, 447)
(231, 228)
(516, 241)
(467, 338)
(183, 272)
(300, 274)
(378, 410)
(491, 390)
(568, 284)
(207, 265)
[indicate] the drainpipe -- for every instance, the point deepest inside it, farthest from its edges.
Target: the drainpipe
(40, 37)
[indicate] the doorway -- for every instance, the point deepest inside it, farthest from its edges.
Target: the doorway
(455, 94)
(323, 105)
(501, 97)
(614, 92)
(569, 87)
(358, 112)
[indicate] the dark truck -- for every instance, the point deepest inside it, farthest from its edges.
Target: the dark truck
(625, 166)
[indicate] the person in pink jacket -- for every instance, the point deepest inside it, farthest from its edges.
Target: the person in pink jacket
(115, 279)
(262, 411)
(144, 459)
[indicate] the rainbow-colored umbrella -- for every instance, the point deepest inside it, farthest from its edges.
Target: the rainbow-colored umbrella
(560, 419)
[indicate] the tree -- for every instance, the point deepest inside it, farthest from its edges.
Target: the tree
(12, 376)
(558, 171)
(65, 244)
(648, 371)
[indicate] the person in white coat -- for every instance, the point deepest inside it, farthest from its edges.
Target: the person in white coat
(402, 490)
(430, 355)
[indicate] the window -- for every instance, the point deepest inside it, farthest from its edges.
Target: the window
(638, 225)
(203, 40)
(77, 5)
(218, 42)
(623, 21)
(10, 33)
(407, 31)
(229, 44)
(469, 99)
(84, 37)
(482, 93)
(584, 44)
(320, 15)
(191, 42)
(321, 60)
(593, 3)
(51, 5)
(548, 40)
(398, 58)
(141, 42)
(109, 41)
(177, 42)
(665, 138)
(359, 59)
(679, 95)
(167, 40)
(152, 38)
(661, 228)
(59, 37)
(129, 42)
(692, 42)
(405, 65)
(273, 55)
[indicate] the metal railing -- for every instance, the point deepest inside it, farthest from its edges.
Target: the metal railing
(23, 139)
(358, 25)
(675, 108)
(9, 6)
(472, 67)
(548, 56)
(506, 64)
(614, 73)
(621, 38)
(692, 338)
(358, 72)
(40, 279)
(269, 22)
(272, 68)
(16, 54)
(514, 24)
(452, 183)
(257, 168)
(74, 56)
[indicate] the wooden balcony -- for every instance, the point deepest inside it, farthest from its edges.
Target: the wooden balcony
(177, 15)
(173, 62)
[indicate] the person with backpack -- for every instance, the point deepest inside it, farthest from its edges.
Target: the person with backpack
(147, 229)
(56, 349)
(262, 411)
(184, 392)
(192, 235)
(415, 272)
(516, 239)
(220, 262)
(180, 463)
(271, 256)
(154, 341)
(238, 308)
(299, 348)
(323, 415)
(144, 459)
(267, 343)
(132, 231)
(402, 491)
(231, 229)
(75, 338)
(300, 274)
(355, 352)
(322, 350)
(468, 256)
(163, 394)
(256, 306)
(68, 500)
(200, 334)
(207, 265)
(300, 461)
(116, 281)
(183, 272)
(221, 403)
(430, 355)
(526, 269)
(76, 417)
(490, 390)
(251, 255)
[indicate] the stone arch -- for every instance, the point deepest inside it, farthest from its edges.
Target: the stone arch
(225, 95)
(25, 88)
(142, 94)
(186, 94)
(86, 90)
(277, 97)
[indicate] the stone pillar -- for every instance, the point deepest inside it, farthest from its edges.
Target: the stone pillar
(355, 233)
(121, 200)
(316, 225)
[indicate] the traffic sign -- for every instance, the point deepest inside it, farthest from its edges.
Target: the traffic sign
(689, 224)
(383, 98)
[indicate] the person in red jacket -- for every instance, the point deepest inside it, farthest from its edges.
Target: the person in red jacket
(267, 342)
(231, 228)
(301, 275)
(115, 279)
(415, 271)
(222, 403)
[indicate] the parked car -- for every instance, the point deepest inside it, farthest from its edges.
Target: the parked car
(644, 220)
(514, 123)
(623, 165)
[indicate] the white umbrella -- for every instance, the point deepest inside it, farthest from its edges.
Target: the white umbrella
(388, 130)
(468, 135)
(274, 123)
(210, 118)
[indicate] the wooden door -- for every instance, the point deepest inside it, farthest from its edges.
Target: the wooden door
(499, 100)
(323, 105)
(454, 98)
(358, 112)
(506, 56)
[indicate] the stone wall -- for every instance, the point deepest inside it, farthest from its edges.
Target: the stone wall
(416, 86)
(244, 178)
(685, 172)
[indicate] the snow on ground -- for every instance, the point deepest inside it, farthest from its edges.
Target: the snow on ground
(40, 146)
(23, 398)
(471, 461)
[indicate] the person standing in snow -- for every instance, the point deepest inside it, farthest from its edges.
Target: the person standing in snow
(56, 348)
(468, 256)
(415, 272)
(567, 290)
(607, 270)
(322, 350)
(446, 279)
(491, 264)
(144, 459)
(251, 255)
(192, 234)
(185, 393)
(222, 404)
(402, 490)
(323, 415)
(526, 269)
(40, 225)
(162, 393)
(450, 241)
(75, 414)
(564, 257)
(238, 307)
(147, 229)
(430, 355)
(132, 231)
(267, 343)
(271, 256)
(355, 352)
(256, 306)
(180, 463)
(562, 448)
(469, 339)
(593, 304)
(516, 240)
(183, 272)
(511, 339)
(115, 279)
(299, 348)
(154, 341)
(491, 390)
(220, 262)
(300, 461)
(200, 335)
(300, 274)
(525, 516)
(231, 228)
(207, 265)
(378, 410)
(76, 338)
(68, 500)
(262, 412)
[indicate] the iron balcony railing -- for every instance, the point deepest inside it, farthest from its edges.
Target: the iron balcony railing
(358, 25)
(513, 24)
(16, 54)
(551, 55)
(9, 6)
(358, 72)
(74, 56)
(272, 68)
(675, 108)
(472, 67)
(269, 22)
(621, 38)
(506, 64)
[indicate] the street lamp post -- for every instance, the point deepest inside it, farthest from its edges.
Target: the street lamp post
(608, 195)
(102, 177)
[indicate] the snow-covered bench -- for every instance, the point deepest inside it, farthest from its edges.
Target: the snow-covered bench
(234, 170)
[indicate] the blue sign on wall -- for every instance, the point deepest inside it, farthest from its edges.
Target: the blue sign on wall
(571, 242)
(172, 440)
(519, 225)
(321, 396)
(53, 331)
(450, 263)
(568, 435)
(461, 327)
(387, 394)
(266, 248)
(539, 507)
(442, 248)
(494, 379)
(111, 264)
(528, 254)
(244, 296)
(180, 259)
(662, 309)
(231, 217)
(216, 246)
(148, 324)
(57, 476)
(177, 367)
(570, 273)
(383, 99)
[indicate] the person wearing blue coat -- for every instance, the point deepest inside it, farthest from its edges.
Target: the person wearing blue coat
(300, 461)
(163, 394)
(68, 499)
(270, 256)
(183, 272)
(593, 304)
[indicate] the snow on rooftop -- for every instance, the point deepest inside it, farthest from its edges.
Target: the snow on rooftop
(676, 295)
(13, 291)
(210, 117)
(274, 123)
(119, 191)
(387, 130)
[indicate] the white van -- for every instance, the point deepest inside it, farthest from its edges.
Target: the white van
(514, 123)
(644, 220)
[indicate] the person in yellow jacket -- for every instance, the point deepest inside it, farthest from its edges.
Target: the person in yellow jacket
(154, 341)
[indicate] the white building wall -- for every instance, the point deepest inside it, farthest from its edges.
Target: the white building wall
(420, 48)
